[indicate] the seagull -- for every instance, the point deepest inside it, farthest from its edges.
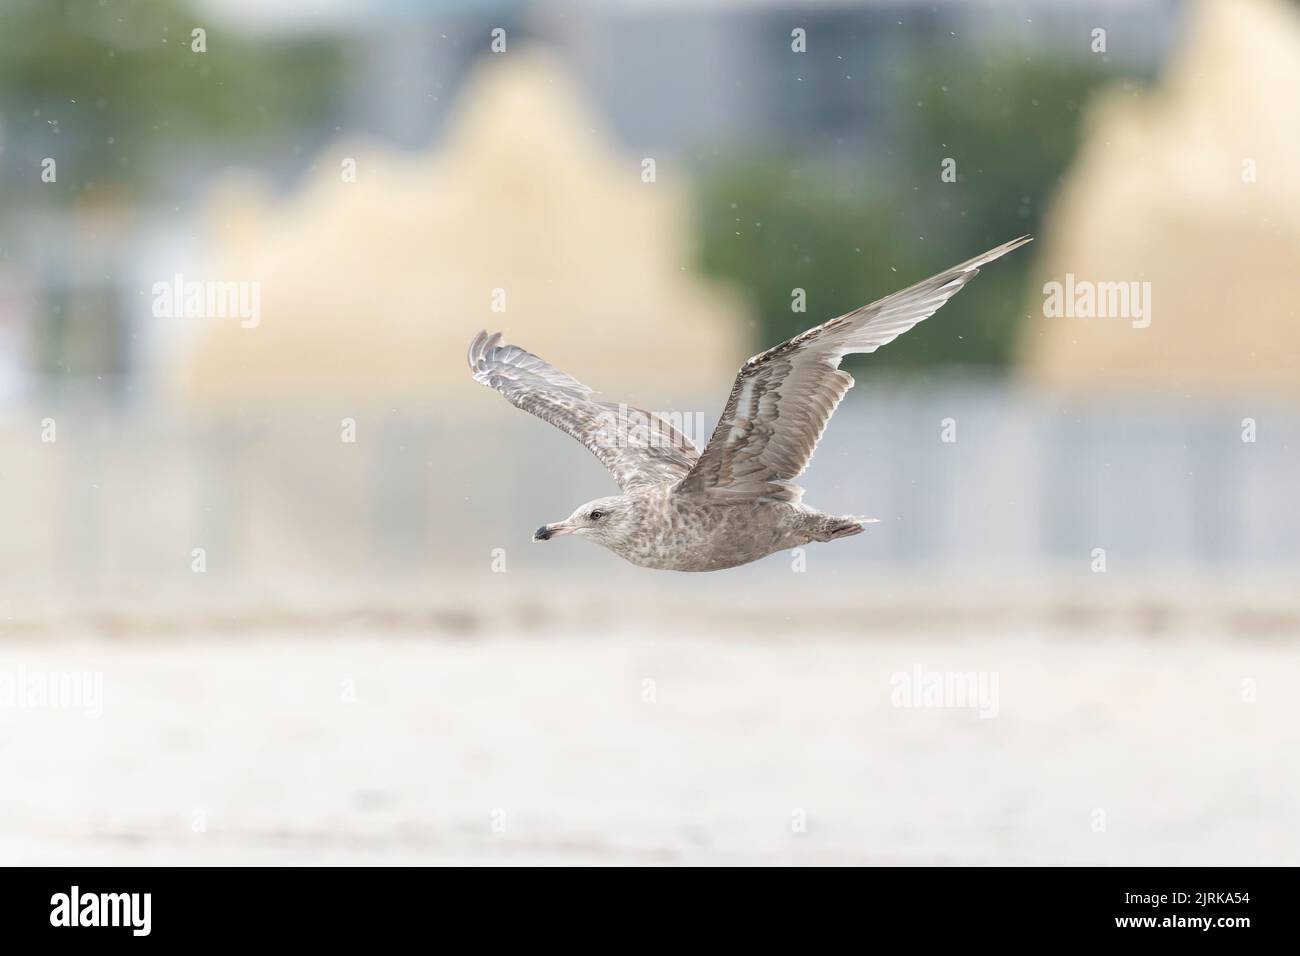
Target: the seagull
(683, 509)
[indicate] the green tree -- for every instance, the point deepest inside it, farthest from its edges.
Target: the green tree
(851, 232)
(114, 91)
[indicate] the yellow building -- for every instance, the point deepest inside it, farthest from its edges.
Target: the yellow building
(376, 274)
(1190, 191)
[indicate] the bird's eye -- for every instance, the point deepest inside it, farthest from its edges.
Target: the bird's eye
(596, 515)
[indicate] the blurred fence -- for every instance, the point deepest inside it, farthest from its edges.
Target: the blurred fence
(135, 504)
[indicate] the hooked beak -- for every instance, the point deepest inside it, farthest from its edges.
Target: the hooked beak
(548, 531)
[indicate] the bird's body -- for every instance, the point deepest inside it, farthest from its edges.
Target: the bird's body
(656, 527)
(734, 502)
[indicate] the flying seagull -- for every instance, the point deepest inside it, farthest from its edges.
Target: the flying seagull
(686, 510)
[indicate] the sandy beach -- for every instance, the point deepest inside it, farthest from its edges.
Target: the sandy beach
(630, 747)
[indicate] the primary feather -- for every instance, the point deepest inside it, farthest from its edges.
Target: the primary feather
(783, 398)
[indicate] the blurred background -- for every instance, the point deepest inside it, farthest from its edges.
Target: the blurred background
(253, 495)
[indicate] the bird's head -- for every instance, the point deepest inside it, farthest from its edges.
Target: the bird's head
(604, 520)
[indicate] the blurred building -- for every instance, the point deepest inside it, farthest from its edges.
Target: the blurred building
(378, 271)
(1190, 187)
(685, 77)
(675, 81)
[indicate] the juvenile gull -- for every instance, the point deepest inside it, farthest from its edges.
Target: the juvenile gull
(686, 510)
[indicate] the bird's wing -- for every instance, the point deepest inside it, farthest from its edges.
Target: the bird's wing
(638, 447)
(783, 398)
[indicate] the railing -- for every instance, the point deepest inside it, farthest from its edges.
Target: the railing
(128, 502)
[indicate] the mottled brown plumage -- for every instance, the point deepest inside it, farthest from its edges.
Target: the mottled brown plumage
(736, 502)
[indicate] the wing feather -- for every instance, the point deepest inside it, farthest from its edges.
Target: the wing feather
(783, 398)
(638, 447)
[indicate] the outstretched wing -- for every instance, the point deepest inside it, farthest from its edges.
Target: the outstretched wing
(638, 447)
(784, 397)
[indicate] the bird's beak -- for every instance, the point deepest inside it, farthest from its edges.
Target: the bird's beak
(548, 531)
